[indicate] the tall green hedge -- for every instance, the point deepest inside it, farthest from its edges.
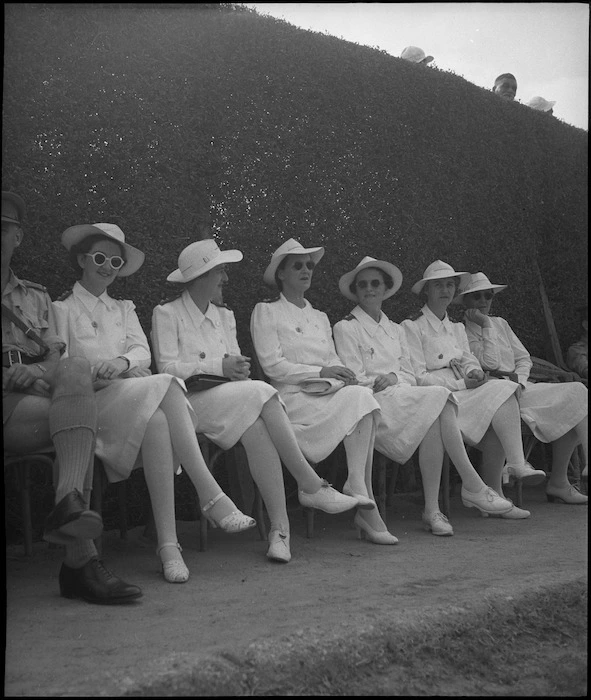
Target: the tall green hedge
(164, 119)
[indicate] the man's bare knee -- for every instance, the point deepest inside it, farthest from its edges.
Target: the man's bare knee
(73, 376)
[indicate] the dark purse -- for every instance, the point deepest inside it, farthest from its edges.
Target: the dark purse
(201, 382)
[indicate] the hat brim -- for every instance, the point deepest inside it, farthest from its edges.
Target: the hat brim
(495, 288)
(346, 280)
(417, 287)
(134, 258)
(427, 59)
(18, 203)
(225, 256)
(269, 274)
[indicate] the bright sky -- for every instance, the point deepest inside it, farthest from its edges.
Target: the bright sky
(544, 44)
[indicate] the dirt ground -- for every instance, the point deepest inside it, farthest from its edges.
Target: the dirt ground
(239, 606)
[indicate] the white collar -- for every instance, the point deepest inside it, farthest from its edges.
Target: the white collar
(211, 313)
(89, 300)
(435, 322)
(370, 325)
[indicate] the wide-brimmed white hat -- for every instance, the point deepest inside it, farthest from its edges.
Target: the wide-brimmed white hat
(478, 282)
(134, 258)
(541, 104)
(346, 280)
(438, 270)
(201, 257)
(290, 247)
(415, 55)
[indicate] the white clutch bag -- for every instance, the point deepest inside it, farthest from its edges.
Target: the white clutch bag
(321, 387)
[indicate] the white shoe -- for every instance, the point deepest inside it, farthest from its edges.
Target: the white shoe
(569, 494)
(365, 531)
(327, 499)
(514, 514)
(486, 500)
(526, 473)
(438, 524)
(174, 570)
(278, 547)
(364, 502)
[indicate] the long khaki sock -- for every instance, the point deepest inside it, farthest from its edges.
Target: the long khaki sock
(72, 426)
(79, 553)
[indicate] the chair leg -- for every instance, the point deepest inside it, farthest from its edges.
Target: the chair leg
(309, 515)
(393, 480)
(24, 477)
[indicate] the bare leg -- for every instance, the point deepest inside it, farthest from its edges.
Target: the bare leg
(265, 467)
(283, 438)
(454, 445)
(359, 449)
(562, 450)
(507, 425)
(430, 463)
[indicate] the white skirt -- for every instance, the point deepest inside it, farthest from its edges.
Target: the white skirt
(225, 412)
(551, 410)
(407, 414)
(124, 409)
(321, 422)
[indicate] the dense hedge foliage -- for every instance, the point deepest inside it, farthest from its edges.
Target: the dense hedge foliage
(168, 119)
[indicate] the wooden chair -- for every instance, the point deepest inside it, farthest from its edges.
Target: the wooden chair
(241, 487)
(21, 463)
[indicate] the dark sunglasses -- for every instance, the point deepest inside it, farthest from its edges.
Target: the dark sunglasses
(115, 261)
(363, 284)
(477, 295)
(298, 265)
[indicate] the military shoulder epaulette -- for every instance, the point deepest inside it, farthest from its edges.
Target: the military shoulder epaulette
(65, 295)
(349, 317)
(271, 300)
(414, 317)
(220, 304)
(34, 285)
(167, 300)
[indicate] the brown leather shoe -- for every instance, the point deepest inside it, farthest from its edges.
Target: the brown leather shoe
(94, 583)
(72, 519)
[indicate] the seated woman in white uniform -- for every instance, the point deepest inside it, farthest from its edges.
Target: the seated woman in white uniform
(143, 420)
(423, 417)
(195, 335)
(555, 413)
(488, 412)
(293, 342)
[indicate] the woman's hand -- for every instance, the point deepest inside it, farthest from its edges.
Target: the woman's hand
(477, 317)
(474, 378)
(236, 367)
(109, 369)
(338, 372)
(138, 372)
(382, 381)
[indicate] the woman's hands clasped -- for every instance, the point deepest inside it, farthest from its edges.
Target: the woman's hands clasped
(236, 367)
(383, 381)
(338, 372)
(474, 378)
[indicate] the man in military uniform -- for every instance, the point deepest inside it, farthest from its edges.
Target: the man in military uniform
(45, 400)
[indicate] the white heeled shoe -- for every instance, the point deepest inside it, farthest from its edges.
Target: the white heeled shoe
(235, 521)
(364, 502)
(278, 547)
(327, 499)
(568, 494)
(514, 514)
(487, 500)
(366, 531)
(175, 570)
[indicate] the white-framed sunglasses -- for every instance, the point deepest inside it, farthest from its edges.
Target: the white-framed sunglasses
(115, 261)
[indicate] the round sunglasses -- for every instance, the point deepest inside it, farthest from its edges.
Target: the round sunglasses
(364, 284)
(115, 261)
(298, 265)
(477, 295)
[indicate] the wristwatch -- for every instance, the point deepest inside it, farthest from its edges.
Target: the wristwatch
(122, 357)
